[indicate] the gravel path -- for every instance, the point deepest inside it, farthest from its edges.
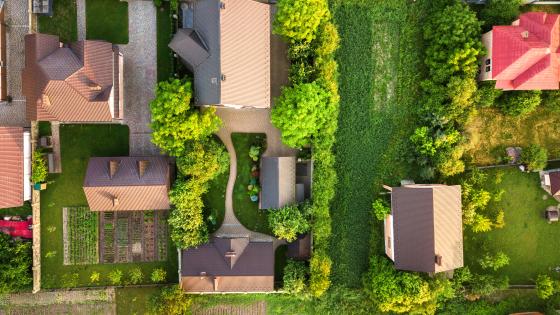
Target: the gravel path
(140, 62)
(17, 25)
(246, 121)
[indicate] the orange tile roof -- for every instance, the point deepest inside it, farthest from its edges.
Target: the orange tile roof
(11, 167)
(77, 83)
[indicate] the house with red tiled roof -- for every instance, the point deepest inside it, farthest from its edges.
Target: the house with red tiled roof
(15, 166)
(77, 82)
(524, 55)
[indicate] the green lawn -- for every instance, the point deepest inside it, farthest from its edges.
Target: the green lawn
(380, 65)
(164, 34)
(247, 211)
(63, 22)
(491, 132)
(527, 238)
(107, 20)
(135, 300)
(78, 143)
(22, 211)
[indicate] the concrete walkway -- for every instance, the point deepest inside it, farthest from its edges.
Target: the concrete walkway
(246, 121)
(57, 158)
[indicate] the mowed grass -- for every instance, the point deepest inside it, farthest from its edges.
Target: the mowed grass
(380, 70)
(107, 20)
(529, 241)
(63, 21)
(164, 36)
(491, 132)
(135, 300)
(247, 211)
(78, 144)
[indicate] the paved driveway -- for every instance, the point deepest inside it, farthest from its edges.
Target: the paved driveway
(17, 25)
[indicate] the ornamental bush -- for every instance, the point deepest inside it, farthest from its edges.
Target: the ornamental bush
(535, 157)
(135, 275)
(545, 287)
(494, 262)
(174, 121)
(115, 276)
(39, 167)
(320, 269)
(298, 20)
(204, 160)
(295, 277)
(158, 275)
(300, 112)
(519, 103)
(288, 222)
(380, 209)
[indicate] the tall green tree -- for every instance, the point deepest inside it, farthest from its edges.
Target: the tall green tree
(175, 121)
(15, 264)
(298, 20)
(300, 112)
(287, 222)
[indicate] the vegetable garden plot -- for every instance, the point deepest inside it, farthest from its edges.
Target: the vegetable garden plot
(80, 228)
(133, 236)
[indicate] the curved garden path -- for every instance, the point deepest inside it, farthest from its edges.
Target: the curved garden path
(246, 121)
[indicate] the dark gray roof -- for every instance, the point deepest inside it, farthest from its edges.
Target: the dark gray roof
(427, 223)
(97, 175)
(300, 249)
(251, 258)
(190, 47)
(278, 182)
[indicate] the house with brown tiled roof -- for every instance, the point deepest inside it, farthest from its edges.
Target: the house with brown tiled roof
(15, 166)
(424, 231)
(127, 183)
(77, 82)
(550, 182)
(228, 265)
(226, 44)
(524, 55)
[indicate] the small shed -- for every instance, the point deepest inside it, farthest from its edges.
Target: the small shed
(300, 249)
(278, 181)
(552, 214)
(43, 7)
(514, 154)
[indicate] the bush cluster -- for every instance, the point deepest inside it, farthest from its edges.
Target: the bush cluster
(313, 39)
(186, 133)
(289, 222)
(478, 211)
(39, 168)
(449, 92)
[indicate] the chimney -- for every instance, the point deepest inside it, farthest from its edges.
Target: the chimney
(94, 86)
(142, 167)
(438, 260)
(230, 254)
(115, 201)
(113, 168)
(202, 275)
(525, 34)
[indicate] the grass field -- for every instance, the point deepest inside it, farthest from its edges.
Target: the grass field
(107, 20)
(78, 143)
(164, 34)
(246, 211)
(380, 69)
(491, 132)
(63, 22)
(527, 238)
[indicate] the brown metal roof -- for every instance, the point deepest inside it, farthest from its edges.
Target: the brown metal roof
(127, 189)
(278, 181)
(76, 83)
(427, 223)
(554, 182)
(11, 167)
(210, 267)
(232, 66)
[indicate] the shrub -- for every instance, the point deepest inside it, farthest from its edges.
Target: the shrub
(174, 121)
(295, 277)
(519, 103)
(286, 223)
(500, 220)
(484, 285)
(115, 276)
(481, 223)
(50, 254)
(171, 301)
(535, 157)
(320, 269)
(380, 209)
(70, 280)
(494, 262)
(39, 168)
(297, 20)
(487, 94)
(204, 160)
(158, 275)
(499, 12)
(135, 275)
(15, 264)
(300, 112)
(186, 220)
(94, 277)
(545, 287)
(550, 99)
